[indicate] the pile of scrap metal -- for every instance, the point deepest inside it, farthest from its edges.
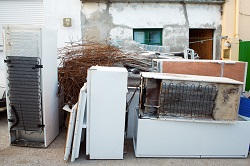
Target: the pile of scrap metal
(77, 57)
(179, 115)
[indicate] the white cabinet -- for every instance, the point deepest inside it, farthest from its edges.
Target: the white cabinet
(191, 138)
(106, 107)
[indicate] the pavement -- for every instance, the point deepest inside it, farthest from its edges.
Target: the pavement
(53, 155)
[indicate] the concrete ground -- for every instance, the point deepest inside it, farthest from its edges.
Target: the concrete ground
(53, 155)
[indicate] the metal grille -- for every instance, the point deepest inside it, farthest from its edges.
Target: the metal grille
(187, 100)
(24, 93)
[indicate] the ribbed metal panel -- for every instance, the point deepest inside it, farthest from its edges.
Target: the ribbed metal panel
(21, 12)
(24, 93)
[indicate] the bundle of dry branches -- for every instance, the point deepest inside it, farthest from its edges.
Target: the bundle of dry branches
(75, 61)
(76, 58)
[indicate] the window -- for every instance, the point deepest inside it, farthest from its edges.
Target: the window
(148, 36)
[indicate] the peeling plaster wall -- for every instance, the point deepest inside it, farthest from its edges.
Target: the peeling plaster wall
(115, 21)
(96, 22)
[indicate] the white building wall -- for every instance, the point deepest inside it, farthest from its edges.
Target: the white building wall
(207, 16)
(144, 15)
(115, 21)
(55, 11)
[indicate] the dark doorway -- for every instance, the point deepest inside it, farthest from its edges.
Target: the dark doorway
(201, 41)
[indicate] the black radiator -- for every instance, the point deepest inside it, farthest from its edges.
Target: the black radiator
(24, 91)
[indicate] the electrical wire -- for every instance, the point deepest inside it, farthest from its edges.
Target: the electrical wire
(13, 109)
(130, 100)
(244, 14)
(200, 41)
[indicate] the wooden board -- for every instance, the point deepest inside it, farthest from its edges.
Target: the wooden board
(235, 71)
(231, 69)
(193, 68)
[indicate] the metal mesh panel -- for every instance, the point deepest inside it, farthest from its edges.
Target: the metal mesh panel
(187, 100)
(24, 93)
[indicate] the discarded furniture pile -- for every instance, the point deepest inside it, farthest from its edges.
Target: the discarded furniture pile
(168, 105)
(169, 115)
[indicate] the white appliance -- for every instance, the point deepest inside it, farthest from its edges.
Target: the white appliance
(191, 138)
(106, 107)
(77, 122)
(178, 117)
(31, 72)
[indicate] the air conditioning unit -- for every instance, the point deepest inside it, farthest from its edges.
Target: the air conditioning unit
(31, 72)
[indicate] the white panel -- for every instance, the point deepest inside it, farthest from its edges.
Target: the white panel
(50, 84)
(21, 42)
(173, 138)
(107, 88)
(70, 132)
(79, 122)
(20, 12)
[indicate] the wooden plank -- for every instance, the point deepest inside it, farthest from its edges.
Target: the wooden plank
(231, 69)
(235, 71)
(192, 68)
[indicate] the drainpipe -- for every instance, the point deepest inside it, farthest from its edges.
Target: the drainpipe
(235, 50)
(236, 19)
